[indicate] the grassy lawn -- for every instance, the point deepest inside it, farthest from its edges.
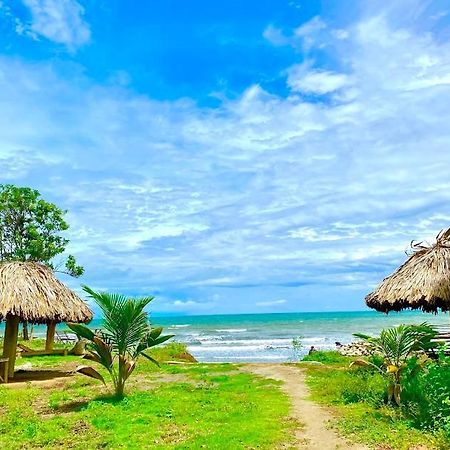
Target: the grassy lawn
(191, 406)
(357, 398)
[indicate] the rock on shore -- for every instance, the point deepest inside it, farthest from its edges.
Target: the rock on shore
(355, 349)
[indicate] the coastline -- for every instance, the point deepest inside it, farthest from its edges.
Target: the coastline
(269, 337)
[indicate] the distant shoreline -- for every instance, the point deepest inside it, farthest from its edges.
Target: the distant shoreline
(356, 311)
(270, 337)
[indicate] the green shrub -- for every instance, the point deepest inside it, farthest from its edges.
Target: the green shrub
(398, 346)
(358, 395)
(427, 396)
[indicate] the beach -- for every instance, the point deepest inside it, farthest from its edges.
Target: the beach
(262, 401)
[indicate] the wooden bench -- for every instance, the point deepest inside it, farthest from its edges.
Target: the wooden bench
(4, 370)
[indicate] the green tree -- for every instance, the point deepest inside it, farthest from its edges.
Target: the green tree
(127, 334)
(31, 230)
(396, 346)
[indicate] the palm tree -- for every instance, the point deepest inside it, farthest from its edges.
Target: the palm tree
(127, 334)
(396, 346)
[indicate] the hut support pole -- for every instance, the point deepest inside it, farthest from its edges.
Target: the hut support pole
(51, 326)
(10, 342)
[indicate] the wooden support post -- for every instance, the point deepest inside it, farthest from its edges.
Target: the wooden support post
(10, 342)
(51, 326)
(25, 332)
(4, 370)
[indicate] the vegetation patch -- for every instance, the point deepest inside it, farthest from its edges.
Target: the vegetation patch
(358, 398)
(208, 406)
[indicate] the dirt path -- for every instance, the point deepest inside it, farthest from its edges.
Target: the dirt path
(315, 434)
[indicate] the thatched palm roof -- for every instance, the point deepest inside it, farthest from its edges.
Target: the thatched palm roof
(31, 291)
(422, 282)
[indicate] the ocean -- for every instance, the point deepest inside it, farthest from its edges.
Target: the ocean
(269, 337)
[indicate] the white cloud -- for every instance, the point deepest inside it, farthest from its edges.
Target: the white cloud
(315, 81)
(271, 303)
(310, 32)
(310, 235)
(60, 21)
(191, 306)
(153, 230)
(264, 190)
(275, 36)
(311, 27)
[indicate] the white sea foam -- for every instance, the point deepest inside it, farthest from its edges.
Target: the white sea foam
(209, 339)
(314, 339)
(179, 326)
(232, 330)
(226, 348)
(266, 342)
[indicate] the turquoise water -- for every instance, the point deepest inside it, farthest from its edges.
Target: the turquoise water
(268, 337)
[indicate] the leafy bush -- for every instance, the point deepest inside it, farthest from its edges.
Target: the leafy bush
(169, 352)
(427, 395)
(359, 395)
(398, 347)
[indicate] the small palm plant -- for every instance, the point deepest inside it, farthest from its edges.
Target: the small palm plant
(396, 346)
(127, 334)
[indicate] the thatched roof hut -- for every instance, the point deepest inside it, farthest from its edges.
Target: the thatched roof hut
(29, 291)
(422, 282)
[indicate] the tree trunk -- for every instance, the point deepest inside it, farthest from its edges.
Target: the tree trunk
(120, 388)
(120, 381)
(25, 333)
(10, 342)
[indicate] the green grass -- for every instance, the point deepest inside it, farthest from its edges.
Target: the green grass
(326, 357)
(162, 353)
(175, 407)
(357, 398)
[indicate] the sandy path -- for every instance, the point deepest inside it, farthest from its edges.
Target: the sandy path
(315, 434)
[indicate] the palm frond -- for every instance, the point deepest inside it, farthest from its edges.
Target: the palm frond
(126, 334)
(125, 320)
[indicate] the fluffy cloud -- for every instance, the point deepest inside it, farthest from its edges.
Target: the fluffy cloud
(315, 81)
(295, 196)
(60, 21)
(275, 36)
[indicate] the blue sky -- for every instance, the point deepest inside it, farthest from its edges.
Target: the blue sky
(232, 157)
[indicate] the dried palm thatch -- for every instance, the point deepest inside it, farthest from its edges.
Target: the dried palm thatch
(30, 291)
(422, 282)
